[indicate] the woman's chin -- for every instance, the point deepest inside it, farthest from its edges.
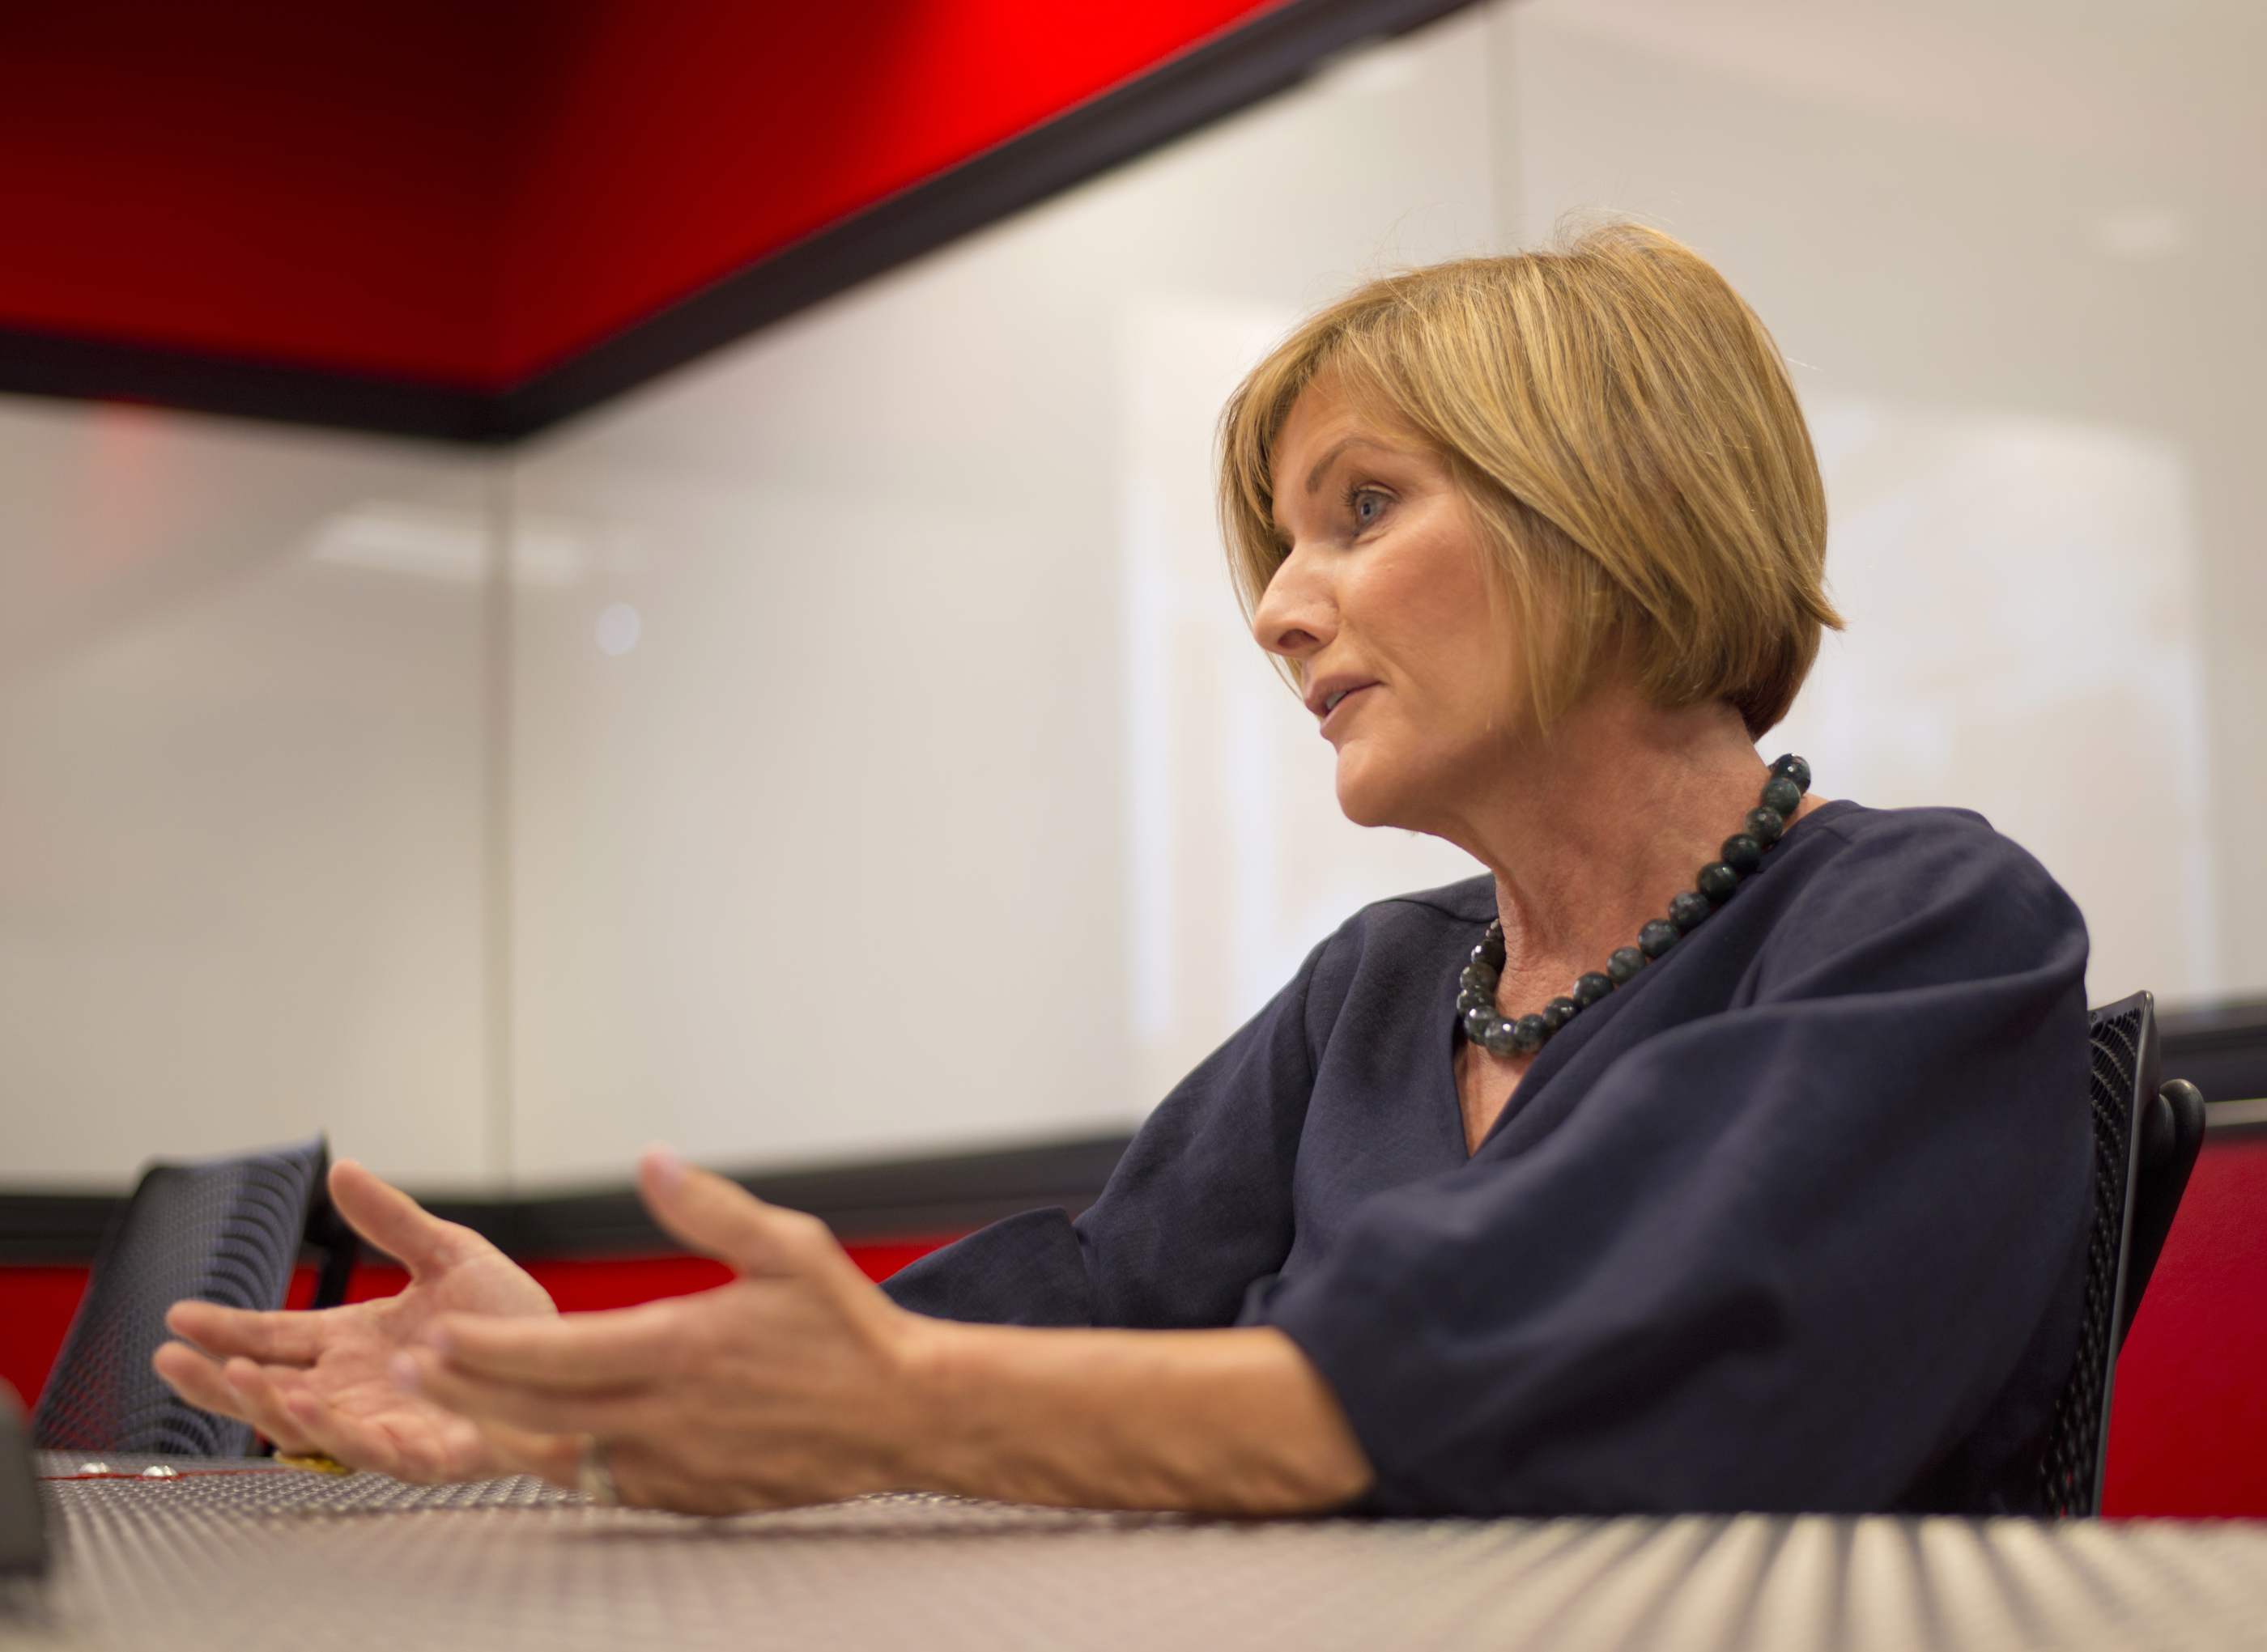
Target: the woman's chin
(1365, 800)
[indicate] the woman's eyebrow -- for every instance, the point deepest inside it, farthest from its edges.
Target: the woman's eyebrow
(1321, 465)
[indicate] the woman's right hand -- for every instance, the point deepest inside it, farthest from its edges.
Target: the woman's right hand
(321, 1382)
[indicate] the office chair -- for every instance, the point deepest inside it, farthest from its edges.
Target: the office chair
(2146, 1138)
(228, 1230)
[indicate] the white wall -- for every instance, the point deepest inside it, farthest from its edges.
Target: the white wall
(856, 850)
(865, 755)
(240, 801)
(2010, 247)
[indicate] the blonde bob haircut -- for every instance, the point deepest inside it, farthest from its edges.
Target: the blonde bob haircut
(1626, 436)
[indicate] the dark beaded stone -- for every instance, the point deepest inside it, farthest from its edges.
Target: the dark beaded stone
(1502, 1039)
(1782, 794)
(1742, 853)
(1795, 770)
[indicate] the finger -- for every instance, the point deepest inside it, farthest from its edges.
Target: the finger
(321, 1427)
(510, 1406)
(428, 1449)
(640, 1482)
(607, 1352)
(719, 1219)
(432, 1448)
(393, 1222)
(645, 1477)
(210, 1385)
(261, 1400)
(273, 1339)
(197, 1379)
(557, 1458)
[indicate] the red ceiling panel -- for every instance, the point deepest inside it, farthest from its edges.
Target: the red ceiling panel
(295, 184)
(466, 194)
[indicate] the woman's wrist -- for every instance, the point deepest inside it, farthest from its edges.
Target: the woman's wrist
(924, 1430)
(957, 1433)
(1226, 1422)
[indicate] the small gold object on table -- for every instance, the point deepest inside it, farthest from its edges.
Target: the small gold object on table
(314, 1462)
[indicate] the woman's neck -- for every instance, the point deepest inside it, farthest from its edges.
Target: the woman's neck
(1592, 829)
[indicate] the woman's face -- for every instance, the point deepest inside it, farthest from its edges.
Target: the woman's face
(1384, 606)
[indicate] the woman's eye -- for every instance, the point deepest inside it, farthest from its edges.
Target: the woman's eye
(1368, 508)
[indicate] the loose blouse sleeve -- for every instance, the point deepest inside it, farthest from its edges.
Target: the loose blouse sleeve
(1198, 1207)
(1785, 1256)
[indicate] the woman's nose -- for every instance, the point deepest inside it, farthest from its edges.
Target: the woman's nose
(1293, 617)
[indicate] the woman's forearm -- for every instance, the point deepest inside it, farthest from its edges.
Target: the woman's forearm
(800, 1383)
(1232, 1422)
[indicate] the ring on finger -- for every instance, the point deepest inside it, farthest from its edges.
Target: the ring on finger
(594, 1476)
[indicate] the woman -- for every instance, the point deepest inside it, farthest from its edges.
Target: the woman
(1781, 1205)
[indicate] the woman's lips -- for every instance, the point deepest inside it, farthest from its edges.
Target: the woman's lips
(1338, 710)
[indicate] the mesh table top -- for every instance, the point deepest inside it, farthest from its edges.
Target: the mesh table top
(264, 1558)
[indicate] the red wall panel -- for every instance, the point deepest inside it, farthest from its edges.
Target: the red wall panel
(466, 194)
(36, 1304)
(2189, 1418)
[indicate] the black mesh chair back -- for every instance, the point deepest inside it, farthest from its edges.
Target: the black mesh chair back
(228, 1230)
(2146, 1139)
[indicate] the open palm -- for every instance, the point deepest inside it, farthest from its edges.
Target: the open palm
(324, 1381)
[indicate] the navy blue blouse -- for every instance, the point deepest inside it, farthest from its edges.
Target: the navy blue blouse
(1796, 1220)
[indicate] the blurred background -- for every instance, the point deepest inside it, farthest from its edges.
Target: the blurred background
(545, 605)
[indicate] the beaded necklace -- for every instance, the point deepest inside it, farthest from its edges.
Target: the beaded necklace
(1742, 853)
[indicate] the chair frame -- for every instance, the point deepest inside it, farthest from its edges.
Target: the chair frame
(256, 1250)
(2145, 1140)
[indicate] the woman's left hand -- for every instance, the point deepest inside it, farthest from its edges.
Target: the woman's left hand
(788, 1386)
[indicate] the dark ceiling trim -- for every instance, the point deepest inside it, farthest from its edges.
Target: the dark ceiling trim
(90, 369)
(1268, 54)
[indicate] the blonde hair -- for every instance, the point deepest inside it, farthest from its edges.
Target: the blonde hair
(1627, 436)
